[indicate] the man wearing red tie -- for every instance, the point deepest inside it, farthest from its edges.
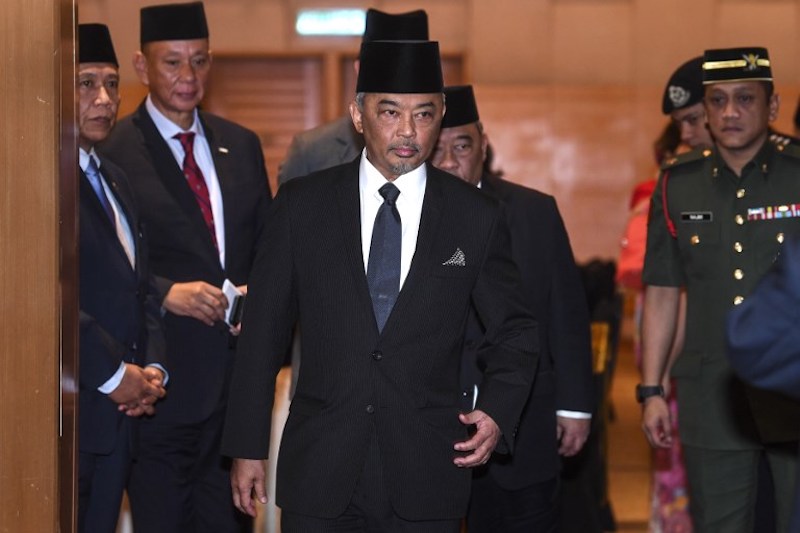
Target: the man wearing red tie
(203, 189)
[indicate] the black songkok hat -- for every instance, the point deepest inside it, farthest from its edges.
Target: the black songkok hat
(400, 67)
(173, 22)
(461, 107)
(94, 44)
(736, 64)
(685, 86)
(380, 26)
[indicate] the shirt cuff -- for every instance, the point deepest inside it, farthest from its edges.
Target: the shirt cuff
(574, 414)
(111, 385)
(164, 370)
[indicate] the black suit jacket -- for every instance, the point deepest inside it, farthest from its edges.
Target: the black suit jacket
(553, 293)
(401, 385)
(181, 249)
(119, 310)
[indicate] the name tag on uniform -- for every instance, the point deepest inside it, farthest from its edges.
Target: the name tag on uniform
(697, 216)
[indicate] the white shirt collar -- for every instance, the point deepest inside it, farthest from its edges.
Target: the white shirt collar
(165, 126)
(411, 184)
(83, 158)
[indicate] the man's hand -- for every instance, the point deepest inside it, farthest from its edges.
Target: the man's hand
(571, 434)
(137, 392)
(657, 422)
(482, 443)
(248, 479)
(196, 299)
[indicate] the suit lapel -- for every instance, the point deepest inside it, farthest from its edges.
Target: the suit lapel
(223, 164)
(432, 208)
(349, 210)
(173, 179)
(351, 141)
(100, 217)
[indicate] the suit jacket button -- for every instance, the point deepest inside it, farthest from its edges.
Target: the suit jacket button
(377, 355)
(370, 409)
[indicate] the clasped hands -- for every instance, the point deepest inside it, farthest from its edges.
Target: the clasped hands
(248, 476)
(139, 390)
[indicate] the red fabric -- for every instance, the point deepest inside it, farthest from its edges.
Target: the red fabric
(634, 240)
(196, 182)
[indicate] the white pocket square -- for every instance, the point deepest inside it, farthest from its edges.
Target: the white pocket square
(457, 259)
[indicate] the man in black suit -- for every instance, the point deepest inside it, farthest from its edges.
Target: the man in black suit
(378, 260)
(202, 186)
(520, 492)
(121, 341)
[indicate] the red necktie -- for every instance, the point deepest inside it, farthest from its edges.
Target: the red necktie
(196, 181)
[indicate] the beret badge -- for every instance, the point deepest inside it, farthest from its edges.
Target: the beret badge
(679, 96)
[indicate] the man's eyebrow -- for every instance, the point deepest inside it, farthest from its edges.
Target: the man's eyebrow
(387, 101)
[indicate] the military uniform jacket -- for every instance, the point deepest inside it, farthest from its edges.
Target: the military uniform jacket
(717, 234)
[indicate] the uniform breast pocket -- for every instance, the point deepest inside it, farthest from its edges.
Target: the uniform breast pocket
(699, 243)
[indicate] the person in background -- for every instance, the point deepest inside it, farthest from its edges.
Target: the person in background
(338, 142)
(762, 336)
(520, 492)
(121, 344)
(202, 186)
(378, 261)
(716, 223)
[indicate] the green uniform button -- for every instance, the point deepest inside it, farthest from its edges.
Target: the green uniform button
(738, 247)
(738, 274)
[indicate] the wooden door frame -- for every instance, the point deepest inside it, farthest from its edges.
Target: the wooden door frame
(38, 272)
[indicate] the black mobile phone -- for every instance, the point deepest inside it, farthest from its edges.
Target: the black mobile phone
(236, 312)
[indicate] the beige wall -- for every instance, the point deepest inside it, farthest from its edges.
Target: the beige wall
(520, 41)
(570, 90)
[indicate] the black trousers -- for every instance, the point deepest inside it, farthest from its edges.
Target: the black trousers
(101, 482)
(369, 511)
(493, 508)
(180, 483)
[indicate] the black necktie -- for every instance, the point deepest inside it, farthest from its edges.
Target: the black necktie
(93, 174)
(383, 267)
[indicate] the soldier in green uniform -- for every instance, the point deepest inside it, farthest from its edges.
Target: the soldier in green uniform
(717, 221)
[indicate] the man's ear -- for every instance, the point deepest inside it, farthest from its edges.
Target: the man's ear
(484, 146)
(140, 66)
(356, 115)
(774, 106)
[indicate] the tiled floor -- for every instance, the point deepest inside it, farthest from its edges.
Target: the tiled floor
(628, 450)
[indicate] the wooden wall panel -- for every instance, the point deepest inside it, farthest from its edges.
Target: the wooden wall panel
(30, 276)
(273, 96)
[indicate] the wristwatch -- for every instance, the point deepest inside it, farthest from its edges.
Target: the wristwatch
(646, 391)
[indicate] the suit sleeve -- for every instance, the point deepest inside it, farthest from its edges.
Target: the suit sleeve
(266, 334)
(569, 334)
(101, 354)
(510, 349)
(762, 332)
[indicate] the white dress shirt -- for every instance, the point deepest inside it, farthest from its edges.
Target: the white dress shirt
(202, 154)
(409, 205)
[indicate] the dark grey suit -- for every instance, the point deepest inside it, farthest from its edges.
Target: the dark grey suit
(325, 146)
(400, 387)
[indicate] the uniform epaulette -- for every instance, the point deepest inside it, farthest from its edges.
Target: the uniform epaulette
(791, 148)
(688, 157)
